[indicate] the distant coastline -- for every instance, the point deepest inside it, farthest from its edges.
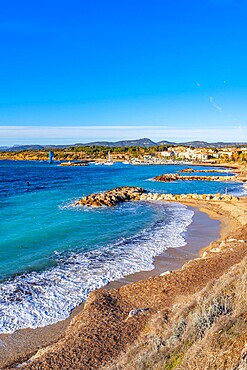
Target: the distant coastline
(142, 151)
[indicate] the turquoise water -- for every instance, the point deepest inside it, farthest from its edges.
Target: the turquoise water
(53, 254)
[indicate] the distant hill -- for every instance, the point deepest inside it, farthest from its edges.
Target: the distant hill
(164, 142)
(144, 142)
(196, 144)
(205, 144)
(18, 148)
(25, 147)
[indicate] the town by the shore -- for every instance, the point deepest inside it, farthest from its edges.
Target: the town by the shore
(135, 152)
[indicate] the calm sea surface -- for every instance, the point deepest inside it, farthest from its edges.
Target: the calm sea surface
(52, 254)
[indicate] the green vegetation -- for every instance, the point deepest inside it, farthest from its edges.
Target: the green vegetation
(174, 361)
(85, 153)
(96, 152)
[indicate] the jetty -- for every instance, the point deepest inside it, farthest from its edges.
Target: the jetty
(175, 177)
(184, 197)
(190, 170)
(125, 194)
(74, 164)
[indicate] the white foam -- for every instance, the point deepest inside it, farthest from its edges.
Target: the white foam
(239, 190)
(38, 299)
(243, 190)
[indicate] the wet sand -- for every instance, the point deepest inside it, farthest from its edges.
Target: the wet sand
(19, 346)
(201, 232)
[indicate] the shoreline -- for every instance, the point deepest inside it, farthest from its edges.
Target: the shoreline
(174, 258)
(231, 217)
(105, 329)
(23, 343)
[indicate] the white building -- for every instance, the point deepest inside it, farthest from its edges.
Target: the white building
(166, 154)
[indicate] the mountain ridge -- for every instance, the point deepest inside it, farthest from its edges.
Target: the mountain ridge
(143, 142)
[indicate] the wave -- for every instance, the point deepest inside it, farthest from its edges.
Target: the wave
(241, 191)
(41, 298)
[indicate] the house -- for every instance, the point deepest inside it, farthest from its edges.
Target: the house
(165, 154)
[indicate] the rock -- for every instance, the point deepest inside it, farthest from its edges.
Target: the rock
(137, 311)
(215, 250)
(205, 255)
(94, 204)
(222, 244)
(165, 273)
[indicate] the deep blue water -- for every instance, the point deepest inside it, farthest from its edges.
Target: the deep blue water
(53, 254)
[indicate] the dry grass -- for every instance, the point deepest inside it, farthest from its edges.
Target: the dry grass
(205, 331)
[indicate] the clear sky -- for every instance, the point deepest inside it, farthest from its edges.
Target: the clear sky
(83, 70)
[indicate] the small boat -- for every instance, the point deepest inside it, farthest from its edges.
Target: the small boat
(109, 160)
(126, 162)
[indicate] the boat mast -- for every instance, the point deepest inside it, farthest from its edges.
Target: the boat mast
(109, 156)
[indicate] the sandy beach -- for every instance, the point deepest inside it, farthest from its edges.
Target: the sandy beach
(99, 331)
(24, 342)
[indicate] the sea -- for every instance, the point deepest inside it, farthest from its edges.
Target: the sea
(52, 254)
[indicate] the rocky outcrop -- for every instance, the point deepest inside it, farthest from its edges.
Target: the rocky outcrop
(175, 177)
(112, 197)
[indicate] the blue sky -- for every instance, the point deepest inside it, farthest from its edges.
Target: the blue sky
(78, 71)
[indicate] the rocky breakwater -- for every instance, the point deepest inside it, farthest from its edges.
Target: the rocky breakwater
(189, 170)
(131, 193)
(175, 177)
(74, 164)
(112, 197)
(187, 197)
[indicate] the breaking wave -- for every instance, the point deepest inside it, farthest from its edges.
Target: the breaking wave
(41, 298)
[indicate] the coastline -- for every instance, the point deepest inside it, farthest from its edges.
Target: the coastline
(104, 330)
(20, 345)
(23, 343)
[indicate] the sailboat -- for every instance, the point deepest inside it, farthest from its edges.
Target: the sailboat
(109, 160)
